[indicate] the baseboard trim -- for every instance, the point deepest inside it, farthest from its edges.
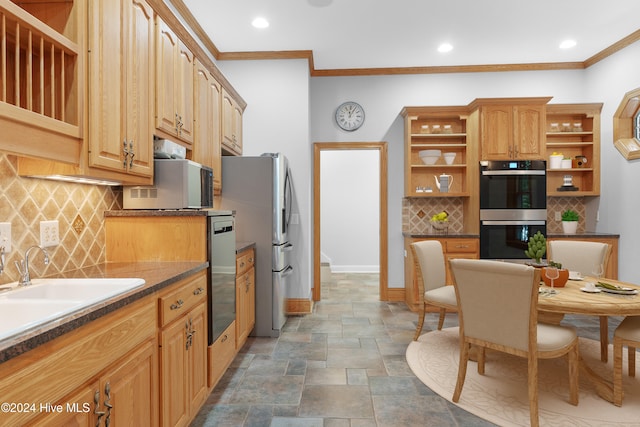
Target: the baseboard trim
(395, 294)
(298, 306)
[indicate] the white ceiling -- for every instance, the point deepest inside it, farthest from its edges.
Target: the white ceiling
(406, 33)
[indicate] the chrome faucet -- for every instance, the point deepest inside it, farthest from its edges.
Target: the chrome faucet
(1, 259)
(23, 266)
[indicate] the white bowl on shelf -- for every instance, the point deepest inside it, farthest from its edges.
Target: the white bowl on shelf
(449, 158)
(430, 157)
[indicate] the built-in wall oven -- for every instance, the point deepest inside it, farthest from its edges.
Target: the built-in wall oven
(513, 206)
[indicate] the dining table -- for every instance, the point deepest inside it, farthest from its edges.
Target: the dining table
(576, 298)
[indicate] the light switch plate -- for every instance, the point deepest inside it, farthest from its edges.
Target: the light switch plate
(558, 216)
(49, 234)
(5, 236)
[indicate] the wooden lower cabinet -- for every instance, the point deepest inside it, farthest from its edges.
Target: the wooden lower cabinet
(221, 354)
(453, 247)
(117, 352)
(245, 295)
(183, 354)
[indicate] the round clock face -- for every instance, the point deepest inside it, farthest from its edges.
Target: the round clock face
(350, 116)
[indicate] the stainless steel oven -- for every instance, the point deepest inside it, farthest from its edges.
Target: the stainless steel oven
(513, 206)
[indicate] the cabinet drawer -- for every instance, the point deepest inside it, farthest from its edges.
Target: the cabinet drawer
(181, 297)
(221, 353)
(461, 245)
(244, 261)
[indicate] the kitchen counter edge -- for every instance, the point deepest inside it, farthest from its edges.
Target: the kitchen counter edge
(441, 236)
(157, 275)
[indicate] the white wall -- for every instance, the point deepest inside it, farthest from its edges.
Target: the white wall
(350, 209)
(619, 205)
(277, 120)
(272, 123)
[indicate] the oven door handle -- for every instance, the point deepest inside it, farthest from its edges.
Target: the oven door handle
(485, 222)
(514, 172)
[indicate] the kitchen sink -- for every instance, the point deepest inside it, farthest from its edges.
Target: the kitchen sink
(22, 308)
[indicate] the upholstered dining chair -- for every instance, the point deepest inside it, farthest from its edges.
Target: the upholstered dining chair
(627, 333)
(428, 259)
(497, 309)
(584, 256)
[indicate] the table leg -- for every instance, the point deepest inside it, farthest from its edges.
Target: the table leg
(604, 338)
(604, 388)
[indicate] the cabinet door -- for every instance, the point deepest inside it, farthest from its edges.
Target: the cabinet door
(107, 83)
(237, 128)
(166, 78)
(529, 132)
(120, 90)
(139, 93)
(241, 309)
(497, 132)
(83, 412)
(173, 361)
(185, 92)
(197, 357)
(131, 389)
(227, 120)
(206, 146)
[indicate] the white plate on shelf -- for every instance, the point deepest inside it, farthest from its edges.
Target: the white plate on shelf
(591, 291)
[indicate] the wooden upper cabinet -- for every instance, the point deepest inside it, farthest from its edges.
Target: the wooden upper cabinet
(174, 85)
(512, 130)
(121, 59)
(231, 123)
(207, 129)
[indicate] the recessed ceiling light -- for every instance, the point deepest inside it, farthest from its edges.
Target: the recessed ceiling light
(445, 47)
(260, 23)
(567, 44)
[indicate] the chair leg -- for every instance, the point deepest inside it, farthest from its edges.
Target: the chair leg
(443, 312)
(617, 371)
(574, 380)
(532, 381)
(631, 352)
(462, 370)
(420, 324)
(604, 339)
(481, 351)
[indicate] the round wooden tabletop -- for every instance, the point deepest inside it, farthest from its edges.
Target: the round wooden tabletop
(571, 300)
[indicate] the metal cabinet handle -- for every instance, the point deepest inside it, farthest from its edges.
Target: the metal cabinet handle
(125, 152)
(177, 305)
(107, 404)
(198, 291)
(224, 338)
(100, 414)
(131, 154)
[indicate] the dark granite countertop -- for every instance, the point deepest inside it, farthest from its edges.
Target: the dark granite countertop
(158, 212)
(157, 275)
(241, 246)
(584, 234)
(448, 236)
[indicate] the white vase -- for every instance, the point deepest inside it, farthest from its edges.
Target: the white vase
(569, 227)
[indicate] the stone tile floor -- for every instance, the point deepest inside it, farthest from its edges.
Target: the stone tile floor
(343, 365)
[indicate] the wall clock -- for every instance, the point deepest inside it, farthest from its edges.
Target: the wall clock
(350, 116)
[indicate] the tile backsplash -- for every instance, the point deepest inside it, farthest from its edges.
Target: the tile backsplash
(79, 208)
(416, 213)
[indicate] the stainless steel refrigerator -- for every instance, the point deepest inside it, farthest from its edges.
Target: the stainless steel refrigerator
(259, 190)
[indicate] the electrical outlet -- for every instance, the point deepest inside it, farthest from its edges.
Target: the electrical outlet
(558, 216)
(5, 236)
(49, 234)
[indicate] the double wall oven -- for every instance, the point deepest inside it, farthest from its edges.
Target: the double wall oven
(513, 206)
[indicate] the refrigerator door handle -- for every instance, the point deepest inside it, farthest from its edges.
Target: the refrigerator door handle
(287, 271)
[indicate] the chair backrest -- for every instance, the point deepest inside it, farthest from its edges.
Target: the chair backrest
(579, 255)
(497, 302)
(429, 262)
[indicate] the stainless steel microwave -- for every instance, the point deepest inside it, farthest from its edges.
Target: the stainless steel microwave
(177, 184)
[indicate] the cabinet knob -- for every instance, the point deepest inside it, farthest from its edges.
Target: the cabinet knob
(176, 305)
(198, 291)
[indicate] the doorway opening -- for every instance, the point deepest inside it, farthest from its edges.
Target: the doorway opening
(382, 237)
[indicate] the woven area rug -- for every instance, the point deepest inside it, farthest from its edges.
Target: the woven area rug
(500, 396)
